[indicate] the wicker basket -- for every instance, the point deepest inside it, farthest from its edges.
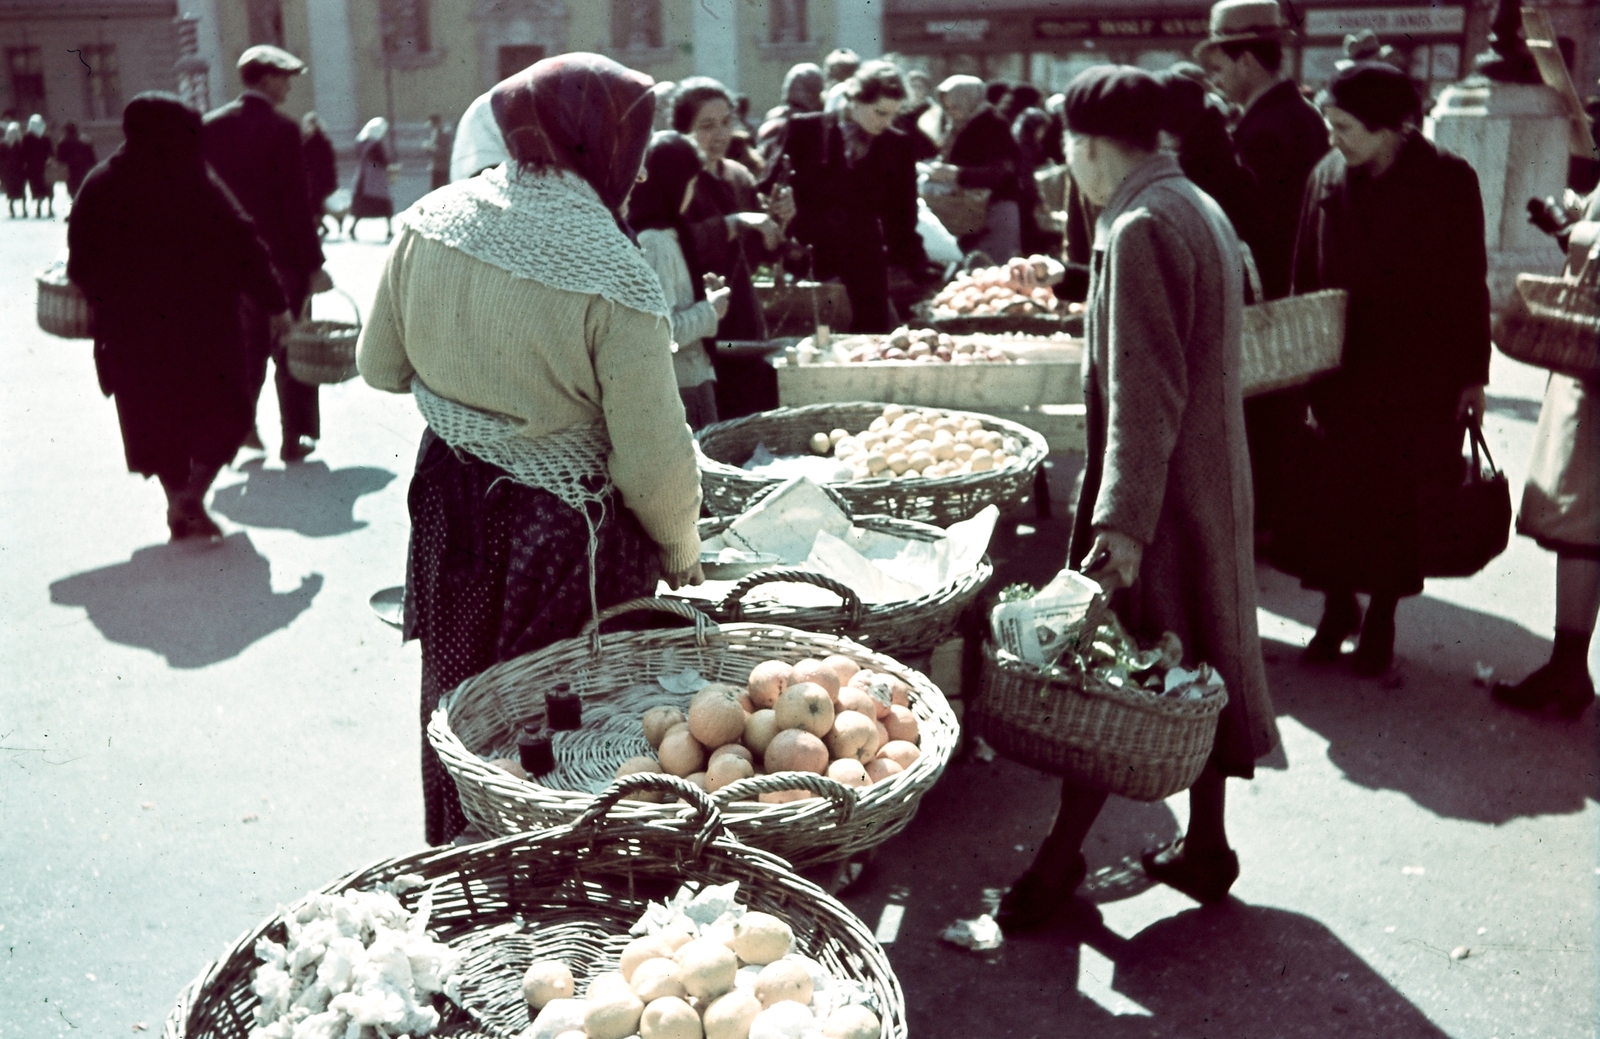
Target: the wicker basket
(62, 308)
(482, 717)
(1554, 323)
(569, 893)
(1130, 743)
(902, 629)
(1290, 341)
(723, 446)
(324, 352)
(963, 211)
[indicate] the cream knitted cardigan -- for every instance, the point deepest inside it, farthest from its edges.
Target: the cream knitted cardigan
(547, 358)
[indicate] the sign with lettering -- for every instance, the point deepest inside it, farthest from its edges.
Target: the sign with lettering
(1126, 27)
(1387, 21)
(959, 28)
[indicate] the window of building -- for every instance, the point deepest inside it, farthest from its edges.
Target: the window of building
(405, 27)
(102, 81)
(513, 58)
(635, 25)
(266, 21)
(26, 68)
(786, 20)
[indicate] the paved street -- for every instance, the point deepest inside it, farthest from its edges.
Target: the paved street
(191, 737)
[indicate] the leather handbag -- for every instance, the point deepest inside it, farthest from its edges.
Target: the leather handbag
(1463, 525)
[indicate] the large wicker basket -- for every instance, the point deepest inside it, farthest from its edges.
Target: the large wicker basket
(723, 447)
(61, 307)
(324, 352)
(1554, 322)
(568, 893)
(1131, 743)
(963, 211)
(481, 718)
(1290, 341)
(902, 629)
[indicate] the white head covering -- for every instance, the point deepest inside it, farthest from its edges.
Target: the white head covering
(479, 144)
(377, 127)
(13, 133)
(36, 124)
(961, 93)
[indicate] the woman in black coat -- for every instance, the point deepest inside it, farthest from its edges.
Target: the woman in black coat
(1399, 225)
(36, 152)
(12, 179)
(855, 193)
(164, 252)
(322, 173)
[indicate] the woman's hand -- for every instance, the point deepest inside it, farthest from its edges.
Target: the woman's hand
(717, 294)
(1113, 560)
(1471, 406)
(770, 232)
(780, 205)
(693, 575)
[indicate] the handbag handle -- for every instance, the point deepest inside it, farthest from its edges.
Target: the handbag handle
(1479, 444)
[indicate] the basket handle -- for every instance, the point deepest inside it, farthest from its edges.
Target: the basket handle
(707, 817)
(702, 624)
(843, 797)
(851, 602)
(354, 306)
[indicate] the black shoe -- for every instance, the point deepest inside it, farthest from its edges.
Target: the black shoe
(1568, 693)
(1339, 621)
(1205, 878)
(1030, 903)
(298, 449)
(192, 526)
(1374, 654)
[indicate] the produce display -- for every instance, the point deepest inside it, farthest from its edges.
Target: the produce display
(702, 967)
(923, 344)
(906, 443)
(1021, 287)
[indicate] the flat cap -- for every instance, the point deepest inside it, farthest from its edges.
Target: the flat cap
(1118, 101)
(265, 54)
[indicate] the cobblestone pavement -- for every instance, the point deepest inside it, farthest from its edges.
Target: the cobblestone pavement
(189, 739)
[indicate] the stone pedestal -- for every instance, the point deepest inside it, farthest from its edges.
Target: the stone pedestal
(1515, 136)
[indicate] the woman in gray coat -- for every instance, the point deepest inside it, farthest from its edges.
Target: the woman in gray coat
(1165, 516)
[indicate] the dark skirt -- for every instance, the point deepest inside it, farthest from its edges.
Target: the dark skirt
(498, 569)
(362, 206)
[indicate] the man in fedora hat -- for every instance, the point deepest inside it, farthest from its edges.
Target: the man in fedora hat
(256, 151)
(1280, 138)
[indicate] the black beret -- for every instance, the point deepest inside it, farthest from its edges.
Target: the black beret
(1377, 93)
(1118, 101)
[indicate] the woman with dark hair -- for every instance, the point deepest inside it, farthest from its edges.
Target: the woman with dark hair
(979, 152)
(1398, 224)
(164, 252)
(556, 476)
(656, 213)
(855, 193)
(369, 195)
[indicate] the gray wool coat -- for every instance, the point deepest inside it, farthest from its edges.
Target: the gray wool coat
(1168, 465)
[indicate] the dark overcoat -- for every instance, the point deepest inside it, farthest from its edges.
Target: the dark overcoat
(1279, 139)
(988, 155)
(1167, 462)
(1409, 248)
(12, 179)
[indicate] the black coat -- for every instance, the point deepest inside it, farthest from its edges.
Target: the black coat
(12, 179)
(78, 155)
(1409, 249)
(859, 219)
(256, 151)
(1279, 140)
(1207, 158)
(322, 173)
(988, 156)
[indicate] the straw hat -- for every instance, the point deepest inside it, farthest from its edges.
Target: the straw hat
(1235, 21)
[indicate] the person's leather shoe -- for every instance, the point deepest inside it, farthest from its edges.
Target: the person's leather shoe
(1374, 654)
(298, 449)
(1549, 686)
(1035, 897)
(1339, 622)
(1205, 877)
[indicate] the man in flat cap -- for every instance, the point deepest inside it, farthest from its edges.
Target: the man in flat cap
(1163, 519)
(1280, 138)
(255, 149)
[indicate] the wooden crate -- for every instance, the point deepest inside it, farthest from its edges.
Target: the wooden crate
(1046, 372)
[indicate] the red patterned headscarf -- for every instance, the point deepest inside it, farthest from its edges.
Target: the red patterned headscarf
(582, 112)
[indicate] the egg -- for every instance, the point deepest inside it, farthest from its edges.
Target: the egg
(820, 444)
(898, 463)
(981, 461)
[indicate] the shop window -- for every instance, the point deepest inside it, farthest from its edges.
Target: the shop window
(102, 81)
(786, 22)
(405, 27)
(635, 25)
(266, 21)
(26, 68)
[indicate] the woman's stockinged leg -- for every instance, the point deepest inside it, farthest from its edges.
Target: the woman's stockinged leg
(1564, 682)
(1200, 864)
(1058, 867)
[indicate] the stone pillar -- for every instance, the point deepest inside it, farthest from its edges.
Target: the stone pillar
(716, 40)
(333, 70)
(1515, 136)
(208, 48)
(860, 26)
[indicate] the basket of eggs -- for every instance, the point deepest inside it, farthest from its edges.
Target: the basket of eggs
(814, 747)
(932, 465)
(614, 924)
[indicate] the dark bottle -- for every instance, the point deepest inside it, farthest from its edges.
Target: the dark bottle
(537, 754)
(563, 710)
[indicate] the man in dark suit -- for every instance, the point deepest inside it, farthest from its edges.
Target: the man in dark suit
(256, 151)
(1280, 138)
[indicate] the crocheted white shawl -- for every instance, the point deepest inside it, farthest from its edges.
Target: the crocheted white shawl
(547, 227)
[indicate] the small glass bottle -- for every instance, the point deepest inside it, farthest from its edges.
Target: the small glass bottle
(563, 710)
(534, 749)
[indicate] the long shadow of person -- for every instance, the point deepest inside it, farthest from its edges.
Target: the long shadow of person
(1428, 730)
(309, 499)
(194, 608)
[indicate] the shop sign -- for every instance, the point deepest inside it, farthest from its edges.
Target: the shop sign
(968, 29)
(1388, 21)
(1127, 27)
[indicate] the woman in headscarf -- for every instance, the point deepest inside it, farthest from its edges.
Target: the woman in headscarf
(1398, 224)
(369, 197)
(556, 476)
(12, 179)
(656, 212)
(164, 253)
(802, 92)
(36, 151)
(979, 152)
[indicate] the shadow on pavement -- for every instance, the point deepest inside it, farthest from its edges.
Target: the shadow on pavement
(194, 605)
(308, 498)
(1428, 730)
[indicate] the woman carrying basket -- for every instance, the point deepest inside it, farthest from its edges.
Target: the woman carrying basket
(556, 476)
(1164, 518)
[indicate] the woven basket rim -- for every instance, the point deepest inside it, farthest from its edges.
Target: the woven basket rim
(1165, 706)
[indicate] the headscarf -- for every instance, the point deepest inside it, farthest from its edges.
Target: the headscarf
(13, 133)
(1377, 93)
(582, 112)
(159, 130)
(36, 125)
(803, 86)
(671, 164)
(478, 145)
(962, 93)
(376, 129)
